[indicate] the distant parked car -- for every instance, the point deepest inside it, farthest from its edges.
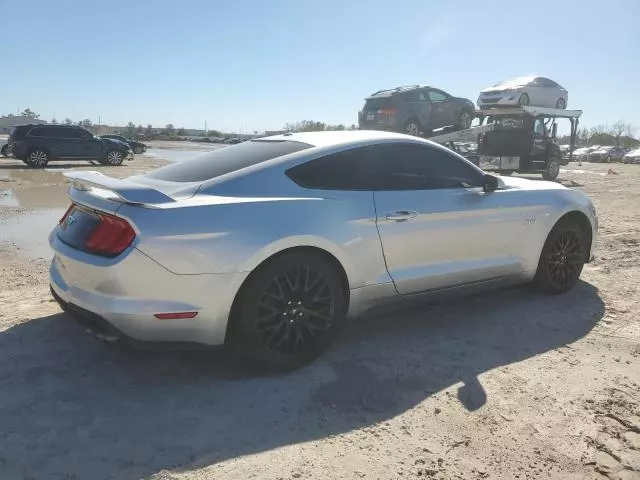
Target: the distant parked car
(531, 90)
(632, 157)
(582, 153)
(607, 154)
(415, 110)
(37, 145)
(137, 147)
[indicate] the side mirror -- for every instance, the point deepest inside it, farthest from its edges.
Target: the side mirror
(490, 183)
(554, 130)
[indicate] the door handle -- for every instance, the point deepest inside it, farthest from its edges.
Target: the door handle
(401, 215)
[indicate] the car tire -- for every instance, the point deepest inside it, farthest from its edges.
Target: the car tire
(287, 312)
(506, 173)
(562, 259)
(113, 158)
(138, 150)
(37, 158)
(523, 100)
(608, 159)
(412, 127)
(3, 150)
(553, 168)
(464, 120)
(561, 104)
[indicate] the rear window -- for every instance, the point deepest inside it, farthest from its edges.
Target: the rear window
(17, 133)
(378, 103)
(226, 160)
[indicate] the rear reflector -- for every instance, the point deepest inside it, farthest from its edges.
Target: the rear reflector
(175, 316)
(111, 236)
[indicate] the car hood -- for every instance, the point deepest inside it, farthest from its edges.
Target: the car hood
(517, 183)
(633, 153)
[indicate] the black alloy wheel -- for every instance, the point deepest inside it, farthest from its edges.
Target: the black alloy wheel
(295, 309)
(562, 259)
(288, 311)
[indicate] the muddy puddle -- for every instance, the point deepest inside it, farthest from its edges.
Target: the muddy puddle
(29, 231)
(33, 189)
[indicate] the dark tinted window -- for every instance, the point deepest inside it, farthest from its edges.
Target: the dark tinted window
(412, 96)
(349, 170)
(72, 133)
(42, 132)
(378, 103)
(226, 160)
(417, 167)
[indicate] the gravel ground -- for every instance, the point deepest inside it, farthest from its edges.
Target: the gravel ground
(508, 385)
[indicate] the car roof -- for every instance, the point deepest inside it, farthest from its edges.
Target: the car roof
(341, 137)
(393, 91)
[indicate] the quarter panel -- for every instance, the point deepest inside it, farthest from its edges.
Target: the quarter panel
(238, 235)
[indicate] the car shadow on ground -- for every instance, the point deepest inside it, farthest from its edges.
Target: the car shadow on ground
(73, 407)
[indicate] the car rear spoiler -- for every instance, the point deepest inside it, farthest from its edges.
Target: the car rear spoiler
(125, 190)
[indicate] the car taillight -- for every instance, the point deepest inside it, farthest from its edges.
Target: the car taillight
(111, 236)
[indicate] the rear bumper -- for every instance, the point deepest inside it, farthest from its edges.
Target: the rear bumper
(119, 297)
(100, 328)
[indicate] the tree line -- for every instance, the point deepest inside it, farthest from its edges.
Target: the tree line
(621, 134)
(314, 126)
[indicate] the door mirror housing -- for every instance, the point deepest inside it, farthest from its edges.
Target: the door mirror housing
(490, 183)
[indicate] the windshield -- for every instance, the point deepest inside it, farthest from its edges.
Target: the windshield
(514, 82)
(226, 160)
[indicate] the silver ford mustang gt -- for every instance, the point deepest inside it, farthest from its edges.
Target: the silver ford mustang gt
(269, 245)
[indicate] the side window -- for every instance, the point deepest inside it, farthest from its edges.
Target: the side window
(436, 96)
(410, 96)
(545, 82)
(38, 132)
(422, 96)
(418, 167)
(84, 133)
(70, 133)
(348, 170)
(538, 127)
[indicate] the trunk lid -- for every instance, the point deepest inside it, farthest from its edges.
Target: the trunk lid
(378, 111)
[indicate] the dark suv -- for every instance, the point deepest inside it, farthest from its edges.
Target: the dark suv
(36, 145)
(415, 110)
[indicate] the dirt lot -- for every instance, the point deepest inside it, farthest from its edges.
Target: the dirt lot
(510, 385)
